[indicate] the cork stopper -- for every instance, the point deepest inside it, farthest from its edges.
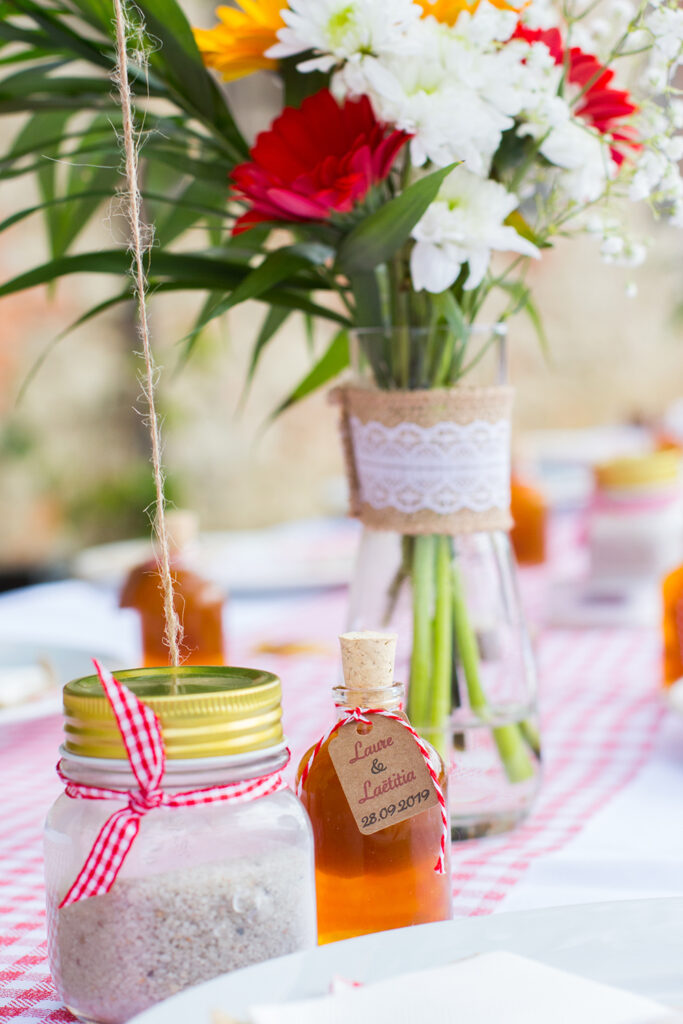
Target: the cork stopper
(368, 660)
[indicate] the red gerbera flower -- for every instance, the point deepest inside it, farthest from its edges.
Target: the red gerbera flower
(600, 105)
(315, 160)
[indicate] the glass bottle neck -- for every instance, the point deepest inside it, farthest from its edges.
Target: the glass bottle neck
(386, 698)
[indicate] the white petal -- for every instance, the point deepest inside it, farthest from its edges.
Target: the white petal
(432, 269)
(478, 259)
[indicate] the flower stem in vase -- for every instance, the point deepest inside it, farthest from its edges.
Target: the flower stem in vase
(421, 657)
(509, 739)
(442, 669)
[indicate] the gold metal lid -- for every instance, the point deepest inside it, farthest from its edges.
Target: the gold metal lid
(211, 712)
(650, 469)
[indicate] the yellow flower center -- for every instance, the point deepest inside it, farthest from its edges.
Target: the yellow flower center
(340, 23)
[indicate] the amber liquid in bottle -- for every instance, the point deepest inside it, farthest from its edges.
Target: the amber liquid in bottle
(672, 594)
(370, 883)
(528, 535)
(198, 603)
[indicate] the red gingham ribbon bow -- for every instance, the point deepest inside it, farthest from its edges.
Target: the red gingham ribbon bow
(360, 715)
(141, 734)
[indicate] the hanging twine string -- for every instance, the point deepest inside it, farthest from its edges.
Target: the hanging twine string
(140, 244)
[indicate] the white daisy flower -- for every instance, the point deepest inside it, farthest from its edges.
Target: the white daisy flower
(464, 225)
(341, 30)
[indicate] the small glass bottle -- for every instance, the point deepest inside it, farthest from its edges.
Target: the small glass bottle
(529, 511)
(370, 883)
(198, 602)
(672, 626)
(204, 889)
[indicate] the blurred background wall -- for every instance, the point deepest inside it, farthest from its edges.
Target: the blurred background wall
(73, 451)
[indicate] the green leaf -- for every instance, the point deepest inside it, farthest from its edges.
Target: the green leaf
(329, 366)
(286, 297)
(191, 269)
(101, 195)
(190, 340)
(180, 62)
(275, 318)
(523, 303)
(382, 233)
(54, 34)
(278, 267)
(37, 81)
(211, 171)
(97, 310)
(298, 86)
(367, 299)
(446, 308)
(181, 271)
(309, 327)
(180, 212)
(96, 12)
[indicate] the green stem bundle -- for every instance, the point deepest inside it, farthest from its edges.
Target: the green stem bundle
(443, 639)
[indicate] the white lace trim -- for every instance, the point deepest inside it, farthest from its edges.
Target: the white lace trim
(441, 469)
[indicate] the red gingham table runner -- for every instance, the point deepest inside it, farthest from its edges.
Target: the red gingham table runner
(601, 712)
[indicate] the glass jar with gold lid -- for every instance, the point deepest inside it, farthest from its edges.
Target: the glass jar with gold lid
(205, 888)
(635, 521)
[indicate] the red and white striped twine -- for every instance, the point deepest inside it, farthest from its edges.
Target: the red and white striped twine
(360, 715)
(141, 734)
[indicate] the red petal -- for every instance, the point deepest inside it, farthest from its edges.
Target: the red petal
(386, 153)
(361, 164)
(297, 207)
(271, 152)
(551, 37)
(314, 159)
(248, 220)
(323, 114)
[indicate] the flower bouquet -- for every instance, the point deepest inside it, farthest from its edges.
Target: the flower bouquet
(419, 139)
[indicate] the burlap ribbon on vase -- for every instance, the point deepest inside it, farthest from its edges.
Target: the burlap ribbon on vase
(428, 461)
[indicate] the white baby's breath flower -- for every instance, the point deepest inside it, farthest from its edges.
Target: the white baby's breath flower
(340, 30)
(656, 174)
(666, 26)
(623, 252)
(486, 25)
(542, 14)
(464, 225)
(600, 34)
(617, 246)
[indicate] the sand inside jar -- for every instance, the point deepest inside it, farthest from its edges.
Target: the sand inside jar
(151, 937)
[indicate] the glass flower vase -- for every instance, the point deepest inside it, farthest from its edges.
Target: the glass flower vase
(429, 470)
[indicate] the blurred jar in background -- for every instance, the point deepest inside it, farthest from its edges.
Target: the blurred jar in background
(635, 521)
(198, 602)
(672, 627)
(529, 511)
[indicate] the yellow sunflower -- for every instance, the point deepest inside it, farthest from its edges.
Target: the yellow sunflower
(237, 44)
(449, 11)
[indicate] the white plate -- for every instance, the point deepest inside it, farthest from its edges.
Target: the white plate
(637, 946)
(296, 555)
(64, 663)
